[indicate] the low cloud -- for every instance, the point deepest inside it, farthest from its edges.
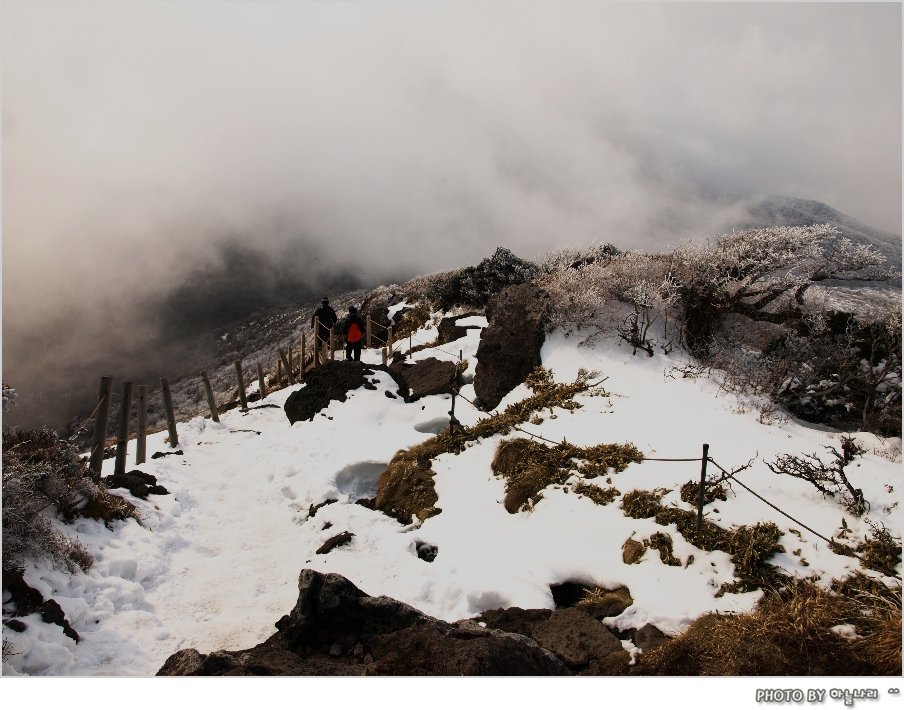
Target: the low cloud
(166, 166)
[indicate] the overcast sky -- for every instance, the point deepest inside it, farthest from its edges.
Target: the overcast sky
(388, 140)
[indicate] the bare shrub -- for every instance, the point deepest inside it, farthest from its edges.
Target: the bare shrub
(43, 472)
(829, 479)
(882, 552)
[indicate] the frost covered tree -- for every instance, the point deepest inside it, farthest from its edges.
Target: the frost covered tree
(764, 274)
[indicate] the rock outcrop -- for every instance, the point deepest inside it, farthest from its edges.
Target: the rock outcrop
(510, 345)
(336, 629)
(449, 330)
(332, 381)
(138, 483)
(429, 376)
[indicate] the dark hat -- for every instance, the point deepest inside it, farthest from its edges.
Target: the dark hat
(352, 309)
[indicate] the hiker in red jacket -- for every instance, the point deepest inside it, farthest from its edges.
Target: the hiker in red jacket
(353, 332)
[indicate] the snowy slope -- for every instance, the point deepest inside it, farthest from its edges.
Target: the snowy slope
(215, 564)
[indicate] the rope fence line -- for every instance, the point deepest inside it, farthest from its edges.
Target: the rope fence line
(317, 339)
(727, 475)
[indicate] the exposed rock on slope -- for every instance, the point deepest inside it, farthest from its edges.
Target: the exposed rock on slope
(510, 345)
(331, 381)
(449, 330)
(430, 376)
(336, 629)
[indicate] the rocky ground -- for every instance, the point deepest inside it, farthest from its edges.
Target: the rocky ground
(337, 629)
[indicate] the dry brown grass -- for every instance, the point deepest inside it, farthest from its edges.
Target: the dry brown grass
(406, 487)
(789, 633)
(663, 543)
(600, 496)
(690, 493)
(529, 467)
(641, 504)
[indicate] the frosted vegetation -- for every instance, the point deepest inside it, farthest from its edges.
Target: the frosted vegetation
(735, 339)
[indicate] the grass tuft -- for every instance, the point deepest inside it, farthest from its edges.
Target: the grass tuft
(789, 633)
(406, 488)
(529, 466)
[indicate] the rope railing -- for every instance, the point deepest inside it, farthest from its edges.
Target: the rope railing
(727, 475)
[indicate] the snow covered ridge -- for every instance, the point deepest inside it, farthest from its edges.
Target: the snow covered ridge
(215, 563)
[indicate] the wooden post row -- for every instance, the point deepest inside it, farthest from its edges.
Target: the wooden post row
(170, 416)
(367, 341)
(286, 365)
(122, 439)
(142, 443)
(242, 398)
(261, 382)
(301, 358)
(96, 461)
(211, 402)
(316, 341)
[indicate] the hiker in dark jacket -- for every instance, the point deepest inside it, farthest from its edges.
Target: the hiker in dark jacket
(353, 332)
(327, 318)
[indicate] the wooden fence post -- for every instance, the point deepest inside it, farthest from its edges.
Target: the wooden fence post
(702, 487)
(389, 339)
(242, 398)
(324, 353)
(452, 413)
(142, 443)
(367, 342)
(122, 440)
(384, 357)
(278, 372)
(96, 462)
(316, 341)
(332, 345)
(290, 361)
(261, 381)
(285, 364)
(301, 357)
(170, 415)
(211, 402)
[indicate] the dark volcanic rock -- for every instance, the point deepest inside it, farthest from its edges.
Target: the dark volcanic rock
(392, 637)
(29, 600)
(575, 637)
(649, 637)
(449, 330)
(161, 454)
(342, 538)
(430, 376)
(514, 619)
(510, 345)
(331, 381)
(138, 483)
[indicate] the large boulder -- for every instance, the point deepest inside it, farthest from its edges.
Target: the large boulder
(514, 619)
(138, 483)
(575, 637)
(449, 330)
(430, 376)
(332, 381)
(510, 345)
(336, 629)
